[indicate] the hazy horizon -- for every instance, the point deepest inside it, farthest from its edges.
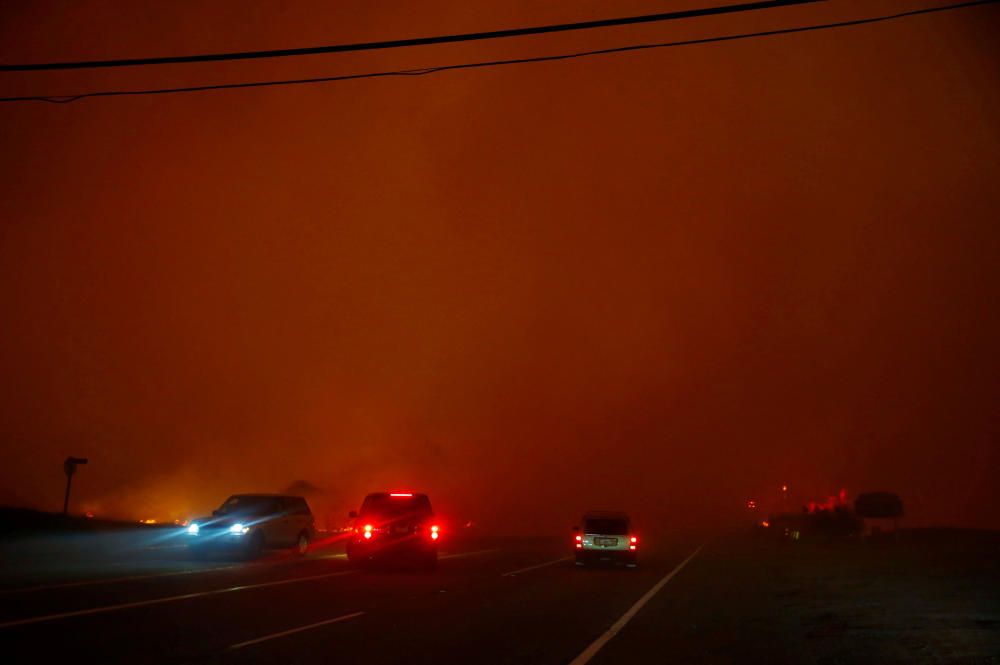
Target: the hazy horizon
(664, 281)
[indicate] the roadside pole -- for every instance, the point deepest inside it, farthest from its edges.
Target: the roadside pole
(69, 467)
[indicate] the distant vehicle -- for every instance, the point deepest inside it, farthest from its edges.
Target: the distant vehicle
(250, 523)
(880, 512)
(784, 526)
(822, 524)
(396, 526)
(606, 537)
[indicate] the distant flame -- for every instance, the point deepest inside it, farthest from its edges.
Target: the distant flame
(831, 503)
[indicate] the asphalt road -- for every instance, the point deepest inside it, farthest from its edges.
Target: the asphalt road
(488, 602)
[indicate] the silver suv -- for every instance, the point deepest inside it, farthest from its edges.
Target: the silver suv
(606, 537)
(250, 523)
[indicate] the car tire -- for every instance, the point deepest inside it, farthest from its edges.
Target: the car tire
(302, 544)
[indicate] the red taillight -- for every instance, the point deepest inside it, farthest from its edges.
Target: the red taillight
(401, 494)
(368, 530)
(631, 547)
(434, 532)
(579, 538)
(633, 540)
(579, 542)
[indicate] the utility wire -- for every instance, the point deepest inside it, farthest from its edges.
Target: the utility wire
(64, 99)
(416, 41)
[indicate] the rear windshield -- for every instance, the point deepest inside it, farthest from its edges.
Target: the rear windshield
(385, 505)
(611, 527)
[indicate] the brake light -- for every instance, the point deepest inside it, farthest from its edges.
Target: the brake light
(401, 494)
(368, 530)
(633, 540)
(579, 542)
(434, 532)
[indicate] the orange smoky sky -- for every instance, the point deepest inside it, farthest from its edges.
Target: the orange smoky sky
(661, 281)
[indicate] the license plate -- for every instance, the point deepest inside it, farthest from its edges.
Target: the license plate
(401, 529)
(605, 541)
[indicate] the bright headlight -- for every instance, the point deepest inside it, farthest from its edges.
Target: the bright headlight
(193, 528)
(238, 528)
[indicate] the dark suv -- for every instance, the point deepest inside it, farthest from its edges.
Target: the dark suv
(250, 523)
(395, 525)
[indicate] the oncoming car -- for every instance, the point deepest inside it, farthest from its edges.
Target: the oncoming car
(248, 524)
(606, 537)
(395, 526)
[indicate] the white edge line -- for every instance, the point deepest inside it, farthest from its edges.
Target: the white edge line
(172, 573)
(149, 576)
(292, 631)
(116, 580)
(168, 599)
(596, 646)
(540, 565)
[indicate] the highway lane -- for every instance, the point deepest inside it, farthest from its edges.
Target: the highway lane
(501, 601)
(924, 598)
(547, 615)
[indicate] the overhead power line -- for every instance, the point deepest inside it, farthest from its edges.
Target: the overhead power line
(63, 99)
(400, 43)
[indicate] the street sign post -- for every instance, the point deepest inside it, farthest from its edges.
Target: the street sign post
(69, 467)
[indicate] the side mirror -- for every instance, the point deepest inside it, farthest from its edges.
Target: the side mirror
(576, 528)
(353, 514)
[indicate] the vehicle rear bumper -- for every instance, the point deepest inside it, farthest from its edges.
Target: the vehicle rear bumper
(606, 556)
(384, 549)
